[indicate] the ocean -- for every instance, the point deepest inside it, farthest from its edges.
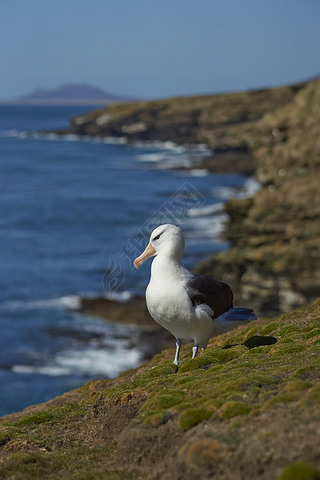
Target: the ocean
(74, 212)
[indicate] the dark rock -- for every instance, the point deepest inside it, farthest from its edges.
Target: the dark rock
(259, 341)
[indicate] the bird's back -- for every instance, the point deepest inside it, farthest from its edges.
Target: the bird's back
(218, 295)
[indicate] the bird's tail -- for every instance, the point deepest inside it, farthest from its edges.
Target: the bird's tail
(238, 314)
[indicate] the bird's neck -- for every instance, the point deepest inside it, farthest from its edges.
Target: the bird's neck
(164, 266)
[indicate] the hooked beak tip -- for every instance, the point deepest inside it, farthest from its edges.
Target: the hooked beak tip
(136, 264)
(149, 252)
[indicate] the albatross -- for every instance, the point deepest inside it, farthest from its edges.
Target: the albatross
(186, 304)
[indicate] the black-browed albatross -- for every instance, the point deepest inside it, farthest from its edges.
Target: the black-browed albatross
(180, 301)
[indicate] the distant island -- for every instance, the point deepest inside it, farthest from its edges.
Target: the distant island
(68, 94)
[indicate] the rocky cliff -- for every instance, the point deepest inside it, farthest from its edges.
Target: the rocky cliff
(274, 260)
(223, 122)
(273, 263)
(220, 121)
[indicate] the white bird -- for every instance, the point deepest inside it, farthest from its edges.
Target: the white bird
(180, 301)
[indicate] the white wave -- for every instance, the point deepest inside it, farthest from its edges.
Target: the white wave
(67, 301)
(123, 296)
(205, 211)
(99, 362)
(9, 133)
(16, 133)
(115, 140)
(44, 370)
(198, 172)
(175, 162)
(158, 145)
(225, 193)
(71, 137)
(202, 147)
(89, 361)
(203, 227)
(68, 137)
(250, 187)
(151, 157)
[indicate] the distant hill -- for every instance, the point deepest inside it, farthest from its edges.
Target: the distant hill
(69, 94)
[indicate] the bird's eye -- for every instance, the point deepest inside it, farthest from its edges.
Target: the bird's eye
(157, 237)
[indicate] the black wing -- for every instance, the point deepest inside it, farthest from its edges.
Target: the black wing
(203, 289)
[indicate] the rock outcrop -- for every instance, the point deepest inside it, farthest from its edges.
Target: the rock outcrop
(274, 259)
(223, 122)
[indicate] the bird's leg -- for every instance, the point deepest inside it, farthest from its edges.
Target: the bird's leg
(178, 346)
(194, 351)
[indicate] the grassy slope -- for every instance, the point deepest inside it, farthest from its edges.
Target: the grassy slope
(243, 412)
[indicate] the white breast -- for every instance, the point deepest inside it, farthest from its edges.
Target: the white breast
(169, 303)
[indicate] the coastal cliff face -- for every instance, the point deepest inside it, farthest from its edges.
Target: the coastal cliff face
(220, 121)
(274, 259)
(273, 263)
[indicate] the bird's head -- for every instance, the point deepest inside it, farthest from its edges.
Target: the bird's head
(166, 240)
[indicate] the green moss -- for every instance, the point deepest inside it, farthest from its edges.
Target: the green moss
(312, 396)
(153, 418)
(288, 329)
(6, 433)
(251, 331)
(79, 464)
(280, 398)
(288, 349)
(36, 418)
(22, 457)
(300, 471)
(163, 402)
(154, 372)
(233, 409)
(4, 437)
(313, 333)
(297, 386)
(193, 416)
(262, 379)
(183, 380)
(272, 327)
(225, 356)
(312, 369)
(54, 414)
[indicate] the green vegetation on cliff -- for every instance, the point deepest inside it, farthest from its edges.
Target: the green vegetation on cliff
(250, 411)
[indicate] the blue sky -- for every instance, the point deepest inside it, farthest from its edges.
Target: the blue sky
(152, 49)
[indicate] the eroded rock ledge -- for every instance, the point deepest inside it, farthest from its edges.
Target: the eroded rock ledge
(274, 259)
(223, 122)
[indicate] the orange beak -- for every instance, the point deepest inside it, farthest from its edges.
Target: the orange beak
(149, 251)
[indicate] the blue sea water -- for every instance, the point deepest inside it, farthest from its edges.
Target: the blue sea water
(70, 209)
